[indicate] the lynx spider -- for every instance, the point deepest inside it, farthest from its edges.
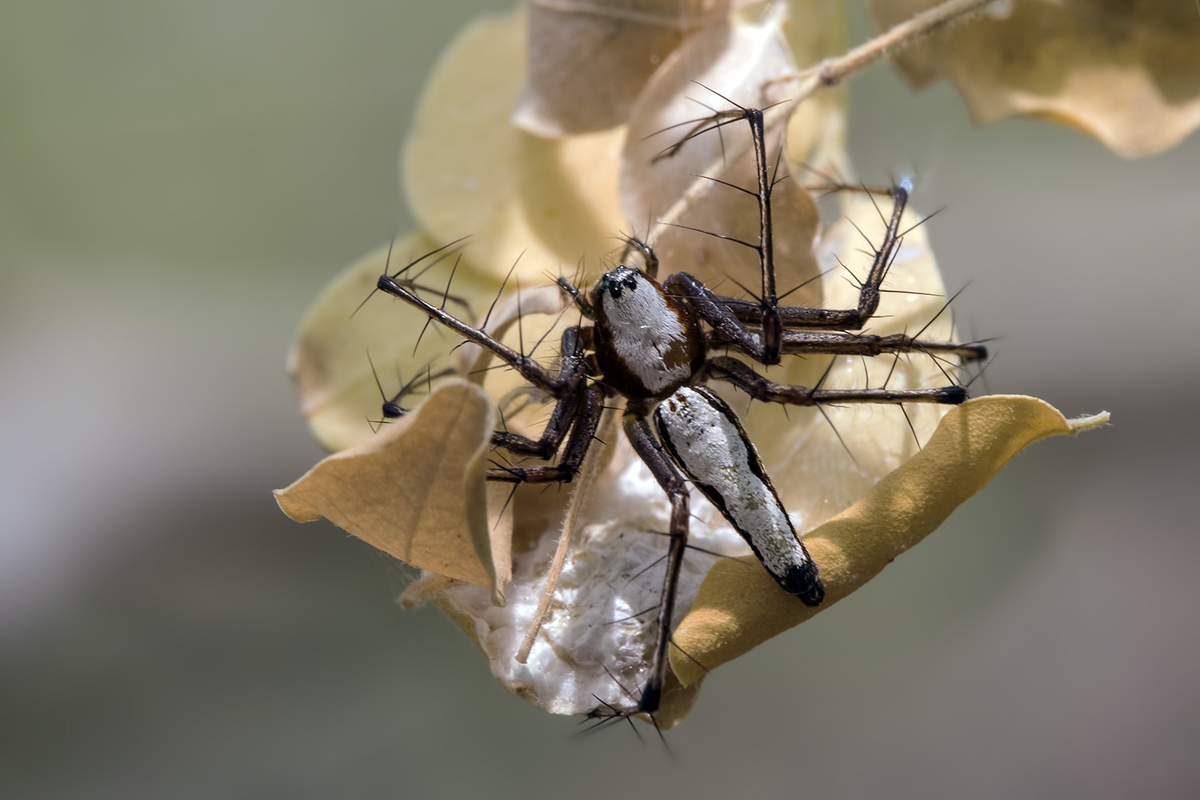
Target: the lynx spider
(651, 344)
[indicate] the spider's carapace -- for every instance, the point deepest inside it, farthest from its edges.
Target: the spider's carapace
(647, 343)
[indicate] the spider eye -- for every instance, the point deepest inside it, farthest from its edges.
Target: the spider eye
(631, 282)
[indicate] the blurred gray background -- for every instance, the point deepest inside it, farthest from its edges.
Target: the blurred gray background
(177, 182)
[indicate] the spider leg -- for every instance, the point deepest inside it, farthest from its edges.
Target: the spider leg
(741, 375)
(566, 410)
(717, 312)
(648, 448)
(850, 344)
(766, 312)
(772, 324)
(649, 259)
(766, 344)
(571, 373)
(840, 319)
(729, 316)
(585, 419)
(577, 410)
(529, 369)
(577, 297)
(392, 408)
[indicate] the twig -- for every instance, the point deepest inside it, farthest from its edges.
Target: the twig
(593, 464)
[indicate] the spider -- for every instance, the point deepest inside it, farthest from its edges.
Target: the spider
(653, 344)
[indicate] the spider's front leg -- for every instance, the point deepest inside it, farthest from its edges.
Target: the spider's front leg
(771, 318)
(577, 408)
(529, 369)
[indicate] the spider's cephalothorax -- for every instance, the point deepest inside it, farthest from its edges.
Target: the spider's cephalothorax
(647, 343)
(650, 344)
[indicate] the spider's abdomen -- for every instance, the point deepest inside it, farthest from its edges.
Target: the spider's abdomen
(709, 444)
(648, 344)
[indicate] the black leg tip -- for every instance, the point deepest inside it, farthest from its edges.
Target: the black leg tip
(953, 396)
(651, 698)
(392, 411)
(803, 582)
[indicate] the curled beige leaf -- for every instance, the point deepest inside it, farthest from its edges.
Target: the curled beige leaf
(467, 170)
(416, 489)
(328, 361)
(742, 63)
(589, 59)
(739, 606)
(1125, 72)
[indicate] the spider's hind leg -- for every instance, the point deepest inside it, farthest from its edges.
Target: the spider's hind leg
(741, 375)
(648, 448)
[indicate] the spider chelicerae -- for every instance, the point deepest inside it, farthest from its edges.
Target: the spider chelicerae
(654, 344)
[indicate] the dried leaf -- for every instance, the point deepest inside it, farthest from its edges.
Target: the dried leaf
(467, 170)
(589, 59)
(328, 362)
(738, 608)
(416, 490)
(1125, 71)
(739, 63)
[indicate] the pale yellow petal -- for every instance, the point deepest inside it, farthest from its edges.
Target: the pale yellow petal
(416, 489)
(467, 170)
(1125, 72)
(739, 606)
(328, 362)
(589, 59)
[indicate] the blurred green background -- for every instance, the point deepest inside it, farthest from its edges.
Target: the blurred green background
(177, 182)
